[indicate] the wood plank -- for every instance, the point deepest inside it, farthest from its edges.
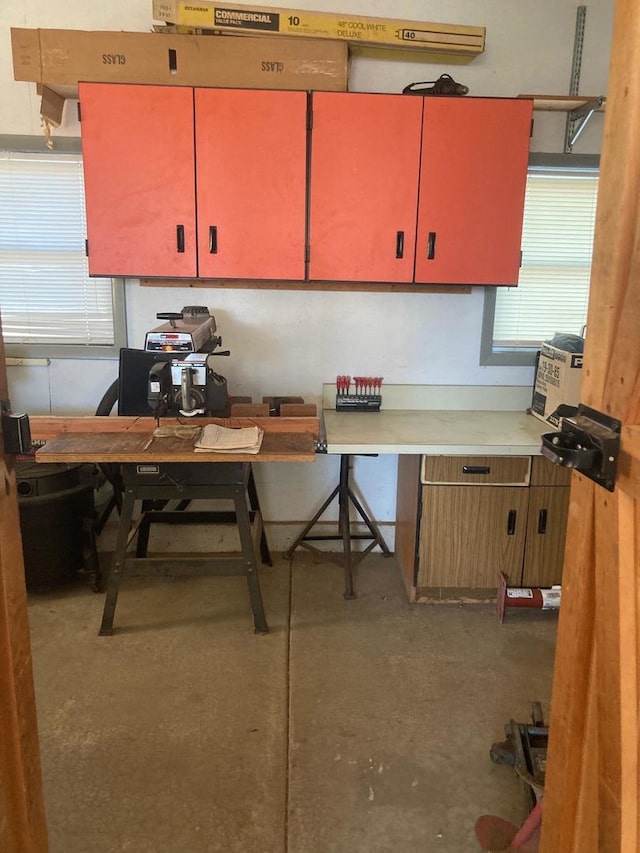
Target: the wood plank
(249, 410)
(44, 427)
(562, 103)
(407, 500)
(591, 801)
(569, 753)
(22, 817)
(368, 287)
(628, 476)
(135, 447)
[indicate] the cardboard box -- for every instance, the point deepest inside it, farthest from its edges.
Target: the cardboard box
(438, 42)
(57, 60)
(556, 393)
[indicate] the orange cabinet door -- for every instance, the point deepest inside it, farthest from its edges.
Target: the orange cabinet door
(137, 145)
(365, 155)
(251, 160)
(472, 183)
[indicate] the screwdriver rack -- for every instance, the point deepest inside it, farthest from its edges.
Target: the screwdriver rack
(365, 398)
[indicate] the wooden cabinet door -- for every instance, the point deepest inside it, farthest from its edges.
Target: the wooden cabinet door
(469, 534)
(251, 159)
(546, 533)
(365, 154)
(472, 184)
(137, 146)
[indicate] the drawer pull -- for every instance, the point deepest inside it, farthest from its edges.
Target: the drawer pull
(400, 244)
(180, 238)
(213, 239)
(476, 469)
(542, 521)
(431, 246)
(511, 522)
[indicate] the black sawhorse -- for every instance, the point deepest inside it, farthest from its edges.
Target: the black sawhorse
(189, 481)
(345, 494)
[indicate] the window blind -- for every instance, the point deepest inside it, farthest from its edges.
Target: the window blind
(553, 287)
(46, 295)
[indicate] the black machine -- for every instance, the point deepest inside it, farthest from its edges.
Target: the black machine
(174, 373)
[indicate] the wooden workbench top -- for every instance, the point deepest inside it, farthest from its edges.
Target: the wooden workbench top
(120, 439)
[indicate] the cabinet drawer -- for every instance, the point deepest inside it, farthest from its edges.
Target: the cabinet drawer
(477, 470)
(545, 473)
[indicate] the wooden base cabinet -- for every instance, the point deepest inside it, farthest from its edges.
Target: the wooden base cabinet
(454, 536)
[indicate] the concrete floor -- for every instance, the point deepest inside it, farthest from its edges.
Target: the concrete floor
(353, 727)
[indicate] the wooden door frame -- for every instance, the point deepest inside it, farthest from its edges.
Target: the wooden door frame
(22, 816)
(592, 790)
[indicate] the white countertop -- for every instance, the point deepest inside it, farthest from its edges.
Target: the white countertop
(448, 432)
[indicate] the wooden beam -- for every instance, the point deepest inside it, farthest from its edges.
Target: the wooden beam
(45, 427)
(22, 817)
(591, 795)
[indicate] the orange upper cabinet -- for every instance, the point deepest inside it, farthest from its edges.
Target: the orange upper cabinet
(472, 184)
(251, 156)
(365, 156)
(137, 145)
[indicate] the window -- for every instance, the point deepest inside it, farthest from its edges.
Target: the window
(50, 306)
(553, 287)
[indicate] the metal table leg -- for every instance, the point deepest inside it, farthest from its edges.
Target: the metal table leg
(345, 496)
(117, 564)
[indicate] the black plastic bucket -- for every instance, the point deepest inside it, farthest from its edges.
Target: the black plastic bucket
(56, 511)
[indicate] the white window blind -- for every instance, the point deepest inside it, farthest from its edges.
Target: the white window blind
(553, 287)
(46, 295)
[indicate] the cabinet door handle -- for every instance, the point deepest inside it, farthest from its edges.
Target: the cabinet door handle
(213, 239)
(511, 522)
(180, 238)
(400, 244)
(542, 521)
(476, 469)
(431, 245)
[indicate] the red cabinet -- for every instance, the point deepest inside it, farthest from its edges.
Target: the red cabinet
(139, 173)
(158, 159)
(251, 156)
(368, 219)
(472, 183)
(231, 183)
(365, 157)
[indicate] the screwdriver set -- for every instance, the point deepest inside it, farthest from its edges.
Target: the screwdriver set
(366, 398)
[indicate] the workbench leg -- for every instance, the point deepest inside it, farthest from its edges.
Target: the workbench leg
(117, 565)
(142, 543)
(344, 526)
(289, 552)
(254, 503)
(251, 564)
(375, 533)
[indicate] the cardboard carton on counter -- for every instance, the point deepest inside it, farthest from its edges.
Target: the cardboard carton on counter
(557, 388)
(446, 43)
(57, 60)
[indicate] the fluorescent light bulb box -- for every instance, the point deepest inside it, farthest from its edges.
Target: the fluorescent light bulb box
(556, 392)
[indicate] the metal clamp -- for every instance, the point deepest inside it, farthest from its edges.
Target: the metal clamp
(588, 442)
(16, 433)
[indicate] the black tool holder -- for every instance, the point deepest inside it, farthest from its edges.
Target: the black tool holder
(345, 496)
(358, 402)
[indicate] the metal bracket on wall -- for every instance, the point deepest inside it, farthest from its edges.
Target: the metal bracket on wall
(588, 442)
(574, 84)
(584, 113)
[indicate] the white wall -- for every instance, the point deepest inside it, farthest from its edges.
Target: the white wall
(292, 342)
